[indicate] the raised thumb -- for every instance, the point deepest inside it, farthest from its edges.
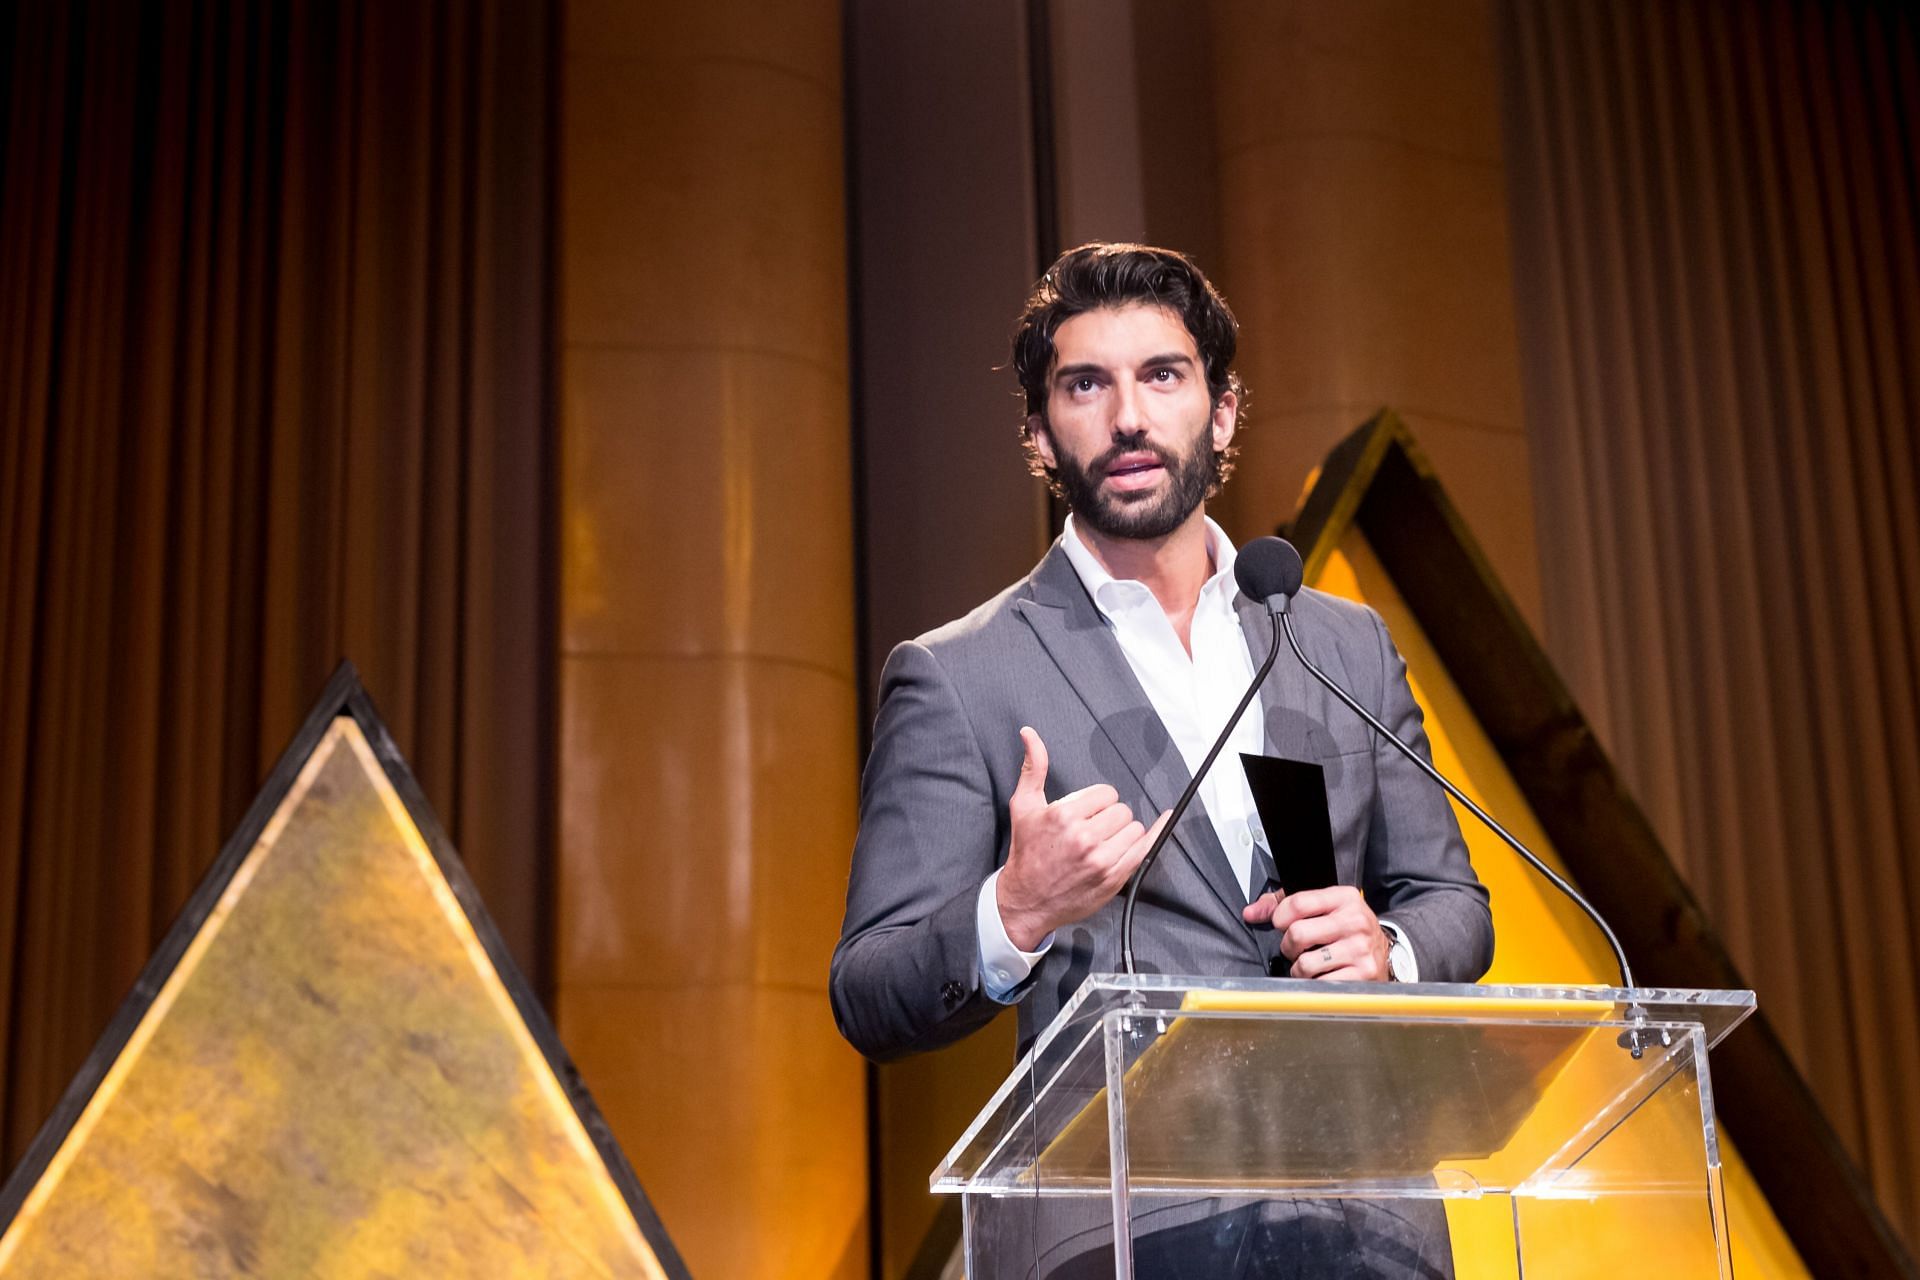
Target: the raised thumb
(1031, 789)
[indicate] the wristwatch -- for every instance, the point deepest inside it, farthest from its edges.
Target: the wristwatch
(1400, 966)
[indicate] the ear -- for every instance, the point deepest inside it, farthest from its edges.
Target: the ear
(1226, 417)
(1042, 442)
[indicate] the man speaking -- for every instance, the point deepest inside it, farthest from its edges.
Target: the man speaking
(1024, 756)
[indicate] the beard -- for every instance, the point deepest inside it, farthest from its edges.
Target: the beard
(1142, 516)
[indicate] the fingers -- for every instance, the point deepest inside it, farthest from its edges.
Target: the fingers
(1261, 909)
(1030, 792)
(1345, 959)
(1030, 789)
(1303, 936)
(1084, 829)
(1136, 851)
(1114, 852)
(1106, 826)
(1309, 903)
(1087, 801)
(1330, 933)
(1346, 973)
(1321, 961)
(1282, 909)
(1142, 842)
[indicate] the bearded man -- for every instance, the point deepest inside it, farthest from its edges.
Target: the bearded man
(1024, 757)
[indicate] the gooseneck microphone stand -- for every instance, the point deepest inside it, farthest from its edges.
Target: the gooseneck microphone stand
(1186, 796)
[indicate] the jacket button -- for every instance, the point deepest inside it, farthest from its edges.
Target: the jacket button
(953, 993)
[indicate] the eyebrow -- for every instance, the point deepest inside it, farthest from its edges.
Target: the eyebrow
(1165, 359)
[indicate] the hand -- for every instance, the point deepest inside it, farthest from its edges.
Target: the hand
(1326, 933)
(1066, 859)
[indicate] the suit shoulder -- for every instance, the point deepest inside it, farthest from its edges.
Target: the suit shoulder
(972, 654)
(977, 626)
(1352, 620)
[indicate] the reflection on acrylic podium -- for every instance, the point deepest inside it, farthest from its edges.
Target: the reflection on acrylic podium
(1581, 1117)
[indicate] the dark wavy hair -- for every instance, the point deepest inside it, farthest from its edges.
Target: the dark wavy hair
(1116, 275)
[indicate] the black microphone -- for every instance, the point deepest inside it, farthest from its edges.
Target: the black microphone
(1282, 552)
(1268, 570)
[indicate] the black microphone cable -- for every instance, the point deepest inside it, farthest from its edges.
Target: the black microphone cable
(1636, 1039)
(1270, 570)
(1262, 573)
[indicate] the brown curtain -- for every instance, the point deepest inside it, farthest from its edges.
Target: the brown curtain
(1715, 211)
(274, 369)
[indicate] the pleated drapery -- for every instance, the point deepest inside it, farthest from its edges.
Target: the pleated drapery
(273, 383)
(1715, 213)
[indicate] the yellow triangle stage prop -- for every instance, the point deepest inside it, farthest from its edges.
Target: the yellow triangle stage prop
(1376, 526)
(331, 1068)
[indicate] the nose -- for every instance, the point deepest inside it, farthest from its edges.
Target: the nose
(1129, 417)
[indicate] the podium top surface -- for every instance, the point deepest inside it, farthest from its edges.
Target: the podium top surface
(1715, 1012)
(1380, 1080)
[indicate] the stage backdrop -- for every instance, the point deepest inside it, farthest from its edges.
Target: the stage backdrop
(272, 374)
(1714, 213)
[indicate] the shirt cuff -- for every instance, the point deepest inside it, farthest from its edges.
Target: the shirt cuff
(1003, 966)
(1400, 959)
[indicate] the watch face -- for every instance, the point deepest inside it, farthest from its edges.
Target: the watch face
(1399, 955)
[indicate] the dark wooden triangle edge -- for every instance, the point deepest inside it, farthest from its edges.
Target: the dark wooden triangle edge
(539, 1025)
(1378, 481)
(343, 695)
(167, 955)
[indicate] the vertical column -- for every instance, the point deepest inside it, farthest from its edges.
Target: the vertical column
(1364, 226)
(943, 199)
(707, 736)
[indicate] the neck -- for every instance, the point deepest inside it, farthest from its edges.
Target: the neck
(1173, 567)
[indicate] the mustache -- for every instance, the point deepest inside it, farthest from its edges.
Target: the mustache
(1136, 442)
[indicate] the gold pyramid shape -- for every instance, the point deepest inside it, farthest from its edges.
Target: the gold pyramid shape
(341, 1073)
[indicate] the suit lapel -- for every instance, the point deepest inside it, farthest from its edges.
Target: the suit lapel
(1284, 687)
(1293, 729)
(1081, 644)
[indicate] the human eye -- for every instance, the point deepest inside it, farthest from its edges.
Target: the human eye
(1165, 376)
(1083, 385)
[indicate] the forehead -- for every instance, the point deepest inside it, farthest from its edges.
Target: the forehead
(1115, 337)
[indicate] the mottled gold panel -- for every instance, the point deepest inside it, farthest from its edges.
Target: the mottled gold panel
(801, 39)
(718, 480)
(333, 1081)
(707, 812)
(1363, 206)
(1432, 331)
(746, 1114)
(1418, 75)
(708, 753)
(702, 207)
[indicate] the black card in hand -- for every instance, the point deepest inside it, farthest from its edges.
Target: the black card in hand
(1291, 796)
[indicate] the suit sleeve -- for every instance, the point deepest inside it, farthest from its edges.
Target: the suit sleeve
(1418, 874)
(906, 973)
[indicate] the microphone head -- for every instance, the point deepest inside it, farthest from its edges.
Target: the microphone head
(1267, 567)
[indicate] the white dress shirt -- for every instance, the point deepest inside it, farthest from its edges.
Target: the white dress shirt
(1193, 696)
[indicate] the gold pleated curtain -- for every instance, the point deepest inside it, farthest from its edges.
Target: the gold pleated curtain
(273, 378)
(1714, 218)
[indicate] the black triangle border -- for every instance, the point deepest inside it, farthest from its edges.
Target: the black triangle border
(1379, 481)
(344, 695)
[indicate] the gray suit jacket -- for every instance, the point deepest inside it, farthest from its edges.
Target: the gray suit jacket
(947, 752)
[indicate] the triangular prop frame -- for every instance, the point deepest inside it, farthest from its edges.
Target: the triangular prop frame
(1378, 481)
(344, 695)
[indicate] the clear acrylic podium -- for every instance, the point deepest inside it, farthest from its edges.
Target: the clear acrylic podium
(1564, 1131)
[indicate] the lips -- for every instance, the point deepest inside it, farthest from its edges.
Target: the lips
(1135, 470)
